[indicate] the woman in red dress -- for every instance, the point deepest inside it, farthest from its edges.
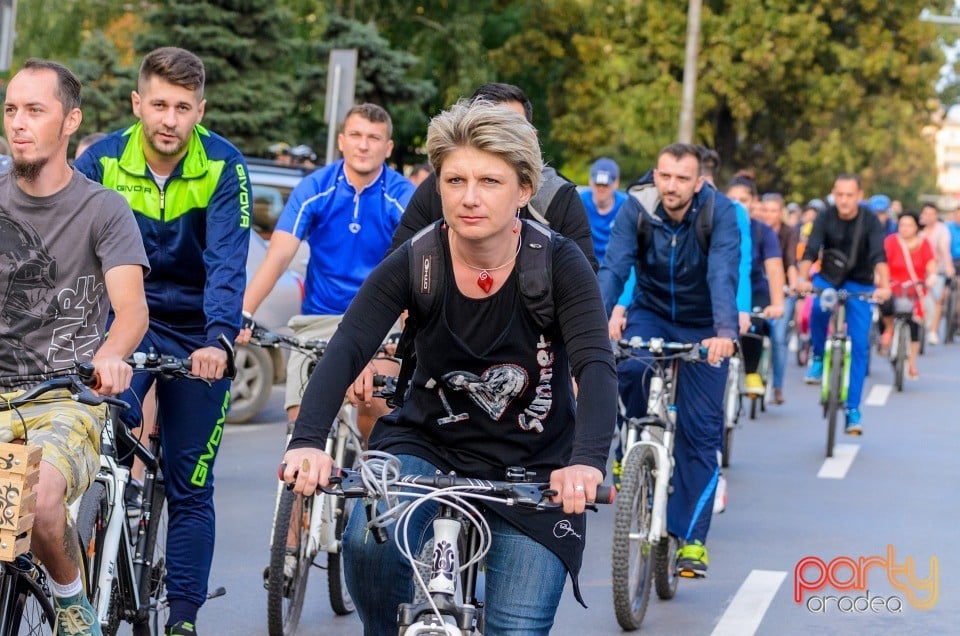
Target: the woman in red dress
(909, 258)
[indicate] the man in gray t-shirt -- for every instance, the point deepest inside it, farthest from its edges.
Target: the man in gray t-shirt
(69, 252)
(54, 252)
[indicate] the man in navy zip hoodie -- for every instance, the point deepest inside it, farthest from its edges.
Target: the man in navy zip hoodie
(189, 191)
(685, 294)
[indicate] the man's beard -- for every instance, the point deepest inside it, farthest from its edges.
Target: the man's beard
(28, 170)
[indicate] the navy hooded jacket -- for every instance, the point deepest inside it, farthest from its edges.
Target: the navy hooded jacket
(676, 280)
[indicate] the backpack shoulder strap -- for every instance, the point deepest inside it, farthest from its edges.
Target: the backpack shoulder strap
(427, 272)
(426, 268)
(550, 184)
(704, 226)
(648, 196)
(536, 273)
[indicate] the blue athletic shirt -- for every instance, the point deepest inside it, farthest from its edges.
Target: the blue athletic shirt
(348, 231)
(954, 239)
(600, 224)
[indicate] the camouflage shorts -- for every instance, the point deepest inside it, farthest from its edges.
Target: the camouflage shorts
(68, 432)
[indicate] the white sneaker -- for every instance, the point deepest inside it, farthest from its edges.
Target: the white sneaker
(720, 497)
(793, 345)
(932, 338)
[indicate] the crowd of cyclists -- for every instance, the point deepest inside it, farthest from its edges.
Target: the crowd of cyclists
(508, 284)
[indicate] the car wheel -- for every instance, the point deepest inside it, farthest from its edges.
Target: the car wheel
(250, 390)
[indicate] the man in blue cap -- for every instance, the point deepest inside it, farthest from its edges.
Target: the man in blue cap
(879, 204)
(602, 201)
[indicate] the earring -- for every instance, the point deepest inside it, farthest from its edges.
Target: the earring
(516, 225)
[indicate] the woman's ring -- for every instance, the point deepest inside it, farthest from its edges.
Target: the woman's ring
(578, 488)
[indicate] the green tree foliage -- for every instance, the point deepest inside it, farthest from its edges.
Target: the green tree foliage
(798, 91)
(246, 48)
(383, 77)
(56, 29)
(106, 86)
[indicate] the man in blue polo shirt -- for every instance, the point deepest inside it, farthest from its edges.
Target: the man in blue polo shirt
(347, 212)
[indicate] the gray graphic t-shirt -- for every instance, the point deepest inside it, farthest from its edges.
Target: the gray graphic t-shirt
(54, 252)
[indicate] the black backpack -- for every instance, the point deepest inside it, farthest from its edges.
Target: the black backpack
(428, 269)
(646, 193)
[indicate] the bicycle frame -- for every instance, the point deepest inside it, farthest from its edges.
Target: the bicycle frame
(321, 533)
(660, 414)
(116, 539)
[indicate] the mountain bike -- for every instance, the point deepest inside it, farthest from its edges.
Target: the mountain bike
(644, 553)
(836, 357)
(26, 605)
(903, 307)
(126, 566)
(462, 536)
(304, 527)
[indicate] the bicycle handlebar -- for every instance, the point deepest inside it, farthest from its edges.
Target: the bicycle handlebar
(174, 367)
(523, 494)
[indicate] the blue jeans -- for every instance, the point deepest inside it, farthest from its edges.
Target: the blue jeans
(778, 340)
(524, 580)
(859, 315)
(699, 422)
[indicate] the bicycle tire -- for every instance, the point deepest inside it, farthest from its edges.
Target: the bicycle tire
(899, 364)
(285, 600)
(88, 519)
(833, 399)
(159, 610)
(727, 449)
(633, 561)
(951, 313)
(665, 575)
(340, 600)
(31, 611)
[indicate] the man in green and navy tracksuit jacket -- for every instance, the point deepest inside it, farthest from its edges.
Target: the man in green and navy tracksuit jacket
(189, 191)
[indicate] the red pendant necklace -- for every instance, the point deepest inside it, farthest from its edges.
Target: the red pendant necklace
(484, 280)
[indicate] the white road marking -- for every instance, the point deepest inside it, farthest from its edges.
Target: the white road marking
(878, 395)
(750, 603)
(836, 467)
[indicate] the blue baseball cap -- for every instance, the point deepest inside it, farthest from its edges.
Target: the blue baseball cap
(879, 203)
(604, 171)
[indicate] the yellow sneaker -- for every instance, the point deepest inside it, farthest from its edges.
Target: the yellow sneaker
(754, 384)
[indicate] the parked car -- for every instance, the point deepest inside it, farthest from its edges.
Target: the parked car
(259, 369)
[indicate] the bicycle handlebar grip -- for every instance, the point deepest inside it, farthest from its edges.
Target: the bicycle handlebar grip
(88, 375)
(231, 371)
(605, 495)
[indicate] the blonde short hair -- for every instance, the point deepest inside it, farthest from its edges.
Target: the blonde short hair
(491, 128)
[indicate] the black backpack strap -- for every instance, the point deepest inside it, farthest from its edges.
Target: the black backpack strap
(427, 273)
(704, 226)
(536, 273)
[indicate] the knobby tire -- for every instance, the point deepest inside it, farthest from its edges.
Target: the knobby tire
(285, 602)
(633, 557)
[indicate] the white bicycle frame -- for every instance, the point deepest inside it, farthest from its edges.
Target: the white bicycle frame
(731, 396)
(114, 476)
(662, 446)
(444, 580)
(321, 533)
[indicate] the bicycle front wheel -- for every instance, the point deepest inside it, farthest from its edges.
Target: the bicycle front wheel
(901, 335)
(632, 549)
(833, 398)
(159, 609)
(26, 608)
(340, 599)
(287, 577)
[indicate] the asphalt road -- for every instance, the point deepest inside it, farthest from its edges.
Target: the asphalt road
(897, 494)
